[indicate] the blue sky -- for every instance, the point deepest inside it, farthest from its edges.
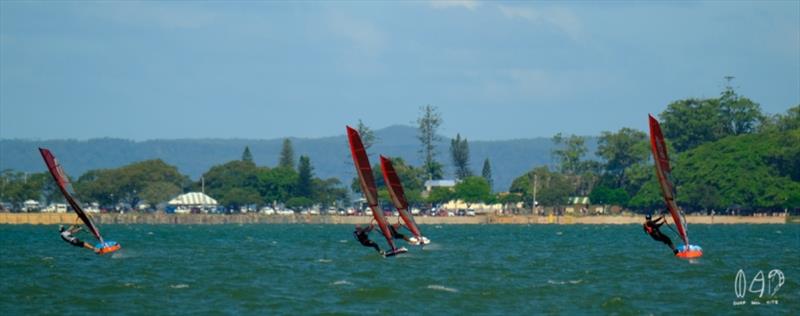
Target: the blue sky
(496, 70)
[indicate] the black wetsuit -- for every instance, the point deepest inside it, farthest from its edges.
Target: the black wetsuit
(396, 234)
(361, 235)
(652, 229)
(72, 240)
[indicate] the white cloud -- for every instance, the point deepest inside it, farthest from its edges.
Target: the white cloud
(363, 36)
(447, 4)
(561, 18)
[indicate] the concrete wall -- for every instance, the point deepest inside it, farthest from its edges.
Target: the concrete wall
(160, 218)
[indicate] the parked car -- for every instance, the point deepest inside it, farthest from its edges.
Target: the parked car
(267, 210)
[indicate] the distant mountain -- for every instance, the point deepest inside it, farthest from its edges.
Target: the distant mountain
(330, 156)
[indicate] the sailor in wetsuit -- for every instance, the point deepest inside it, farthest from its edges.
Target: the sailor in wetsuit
(651, 227)
(66, 235)
(397, 235)
(361, 234)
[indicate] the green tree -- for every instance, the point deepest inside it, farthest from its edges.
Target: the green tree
(487, 172)
(473, 190)
(509, 200)
(648, 197)
(246, 155)
(368, 137)
(234, 183)
(159, 192)
(791, 120)
(439, 195)
(237, 197)
(608, 196)
(753, 171)
(128, 183)
(739, 115)
(17, 187)
(692, 122)
(276, 184)
(299, 202)
(304, 178)
(569, 153)
(553, 188)
(459, 151)
(621, 151)
(287, 155)
(328, 191)
(429, 122)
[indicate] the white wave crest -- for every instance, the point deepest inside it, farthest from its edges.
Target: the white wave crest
(442, 288)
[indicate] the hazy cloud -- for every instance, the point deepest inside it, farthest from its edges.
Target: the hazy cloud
(561, 18)
(446, 4)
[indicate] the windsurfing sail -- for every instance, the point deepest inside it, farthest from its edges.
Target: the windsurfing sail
(66, 189)
(367, 181)
(664, 174)
(398, 195)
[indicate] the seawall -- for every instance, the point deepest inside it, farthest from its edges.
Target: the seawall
(199, 219)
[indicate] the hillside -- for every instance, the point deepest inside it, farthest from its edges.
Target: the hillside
(329, 155)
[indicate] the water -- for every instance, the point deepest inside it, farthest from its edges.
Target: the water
(320, 269)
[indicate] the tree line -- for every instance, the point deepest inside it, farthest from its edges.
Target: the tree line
(726, 154)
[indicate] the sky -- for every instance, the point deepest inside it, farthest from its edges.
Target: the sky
(495, 70)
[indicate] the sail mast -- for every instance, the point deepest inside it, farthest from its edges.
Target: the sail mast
(63, 183)
(663, 172)
(367, 182)
(397, 195)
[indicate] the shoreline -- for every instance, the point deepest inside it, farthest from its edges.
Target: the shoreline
(214, 219)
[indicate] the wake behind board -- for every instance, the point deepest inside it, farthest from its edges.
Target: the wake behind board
(421, 241)
(395, 252)
(693, 251)
(107, 247)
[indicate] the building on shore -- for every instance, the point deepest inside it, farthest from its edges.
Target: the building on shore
(193, 202)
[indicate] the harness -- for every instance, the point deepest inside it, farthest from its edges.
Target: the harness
(648, 229)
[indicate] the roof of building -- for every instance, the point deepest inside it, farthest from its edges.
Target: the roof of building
(440, 183)
(193, 198)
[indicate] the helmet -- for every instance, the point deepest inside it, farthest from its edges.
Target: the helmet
(648, 217)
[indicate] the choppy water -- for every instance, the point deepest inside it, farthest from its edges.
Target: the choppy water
(320, 269)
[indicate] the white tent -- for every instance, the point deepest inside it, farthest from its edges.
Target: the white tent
(191, 199)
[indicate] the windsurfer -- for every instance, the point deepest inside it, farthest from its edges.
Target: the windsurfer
(361, 234)
(651, 227)
(397, 235)
(67, 235)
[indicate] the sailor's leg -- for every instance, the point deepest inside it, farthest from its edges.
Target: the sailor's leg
(374, 245)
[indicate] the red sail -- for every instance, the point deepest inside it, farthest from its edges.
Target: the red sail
(63, 184)
(361, 162)
(398, 196)
(663, 171)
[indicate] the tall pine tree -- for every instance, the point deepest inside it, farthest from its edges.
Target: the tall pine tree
(459, 150)
(246, 155)
(429, 122)
(287, 155)
(304, 179)
(487, 173)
